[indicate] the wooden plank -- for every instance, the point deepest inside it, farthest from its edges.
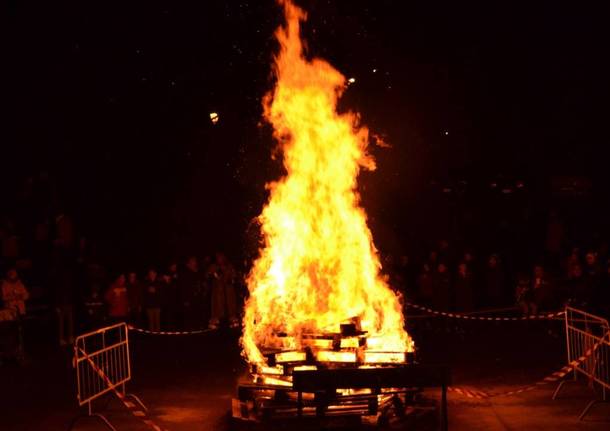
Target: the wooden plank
(409, 375)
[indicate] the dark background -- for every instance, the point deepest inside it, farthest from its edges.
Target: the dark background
(496, 113)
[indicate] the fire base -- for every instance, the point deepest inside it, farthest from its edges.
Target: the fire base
(371, 394)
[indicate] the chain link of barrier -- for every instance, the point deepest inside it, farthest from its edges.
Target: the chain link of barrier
(469, 393)
(551, 378)
(136, 410)
(429, 310)
(193, 332)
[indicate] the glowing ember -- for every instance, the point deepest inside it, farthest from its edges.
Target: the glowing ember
(318, 267)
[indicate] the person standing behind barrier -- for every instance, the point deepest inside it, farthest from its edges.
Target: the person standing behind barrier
(441, 288)
(464, 289)
(64, 283)
(542, 288)
(601, 295)
(117, 300)
(424, 285)
(525, 296)
(223, 293)
(577, 290)
(494, 281)
(153, 298)
(94, 308)
(191, 291)
(14, 293)
(571, 260)
(135, 293)
(592, 273)
(170, 308)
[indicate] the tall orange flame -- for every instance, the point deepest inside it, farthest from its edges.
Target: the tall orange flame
(318, 267)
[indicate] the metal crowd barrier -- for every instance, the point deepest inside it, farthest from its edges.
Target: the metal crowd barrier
(589, 334)
(102, 363)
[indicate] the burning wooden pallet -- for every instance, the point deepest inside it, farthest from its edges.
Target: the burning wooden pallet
(330, 375)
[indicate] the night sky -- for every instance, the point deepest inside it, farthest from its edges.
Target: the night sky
(113, 98)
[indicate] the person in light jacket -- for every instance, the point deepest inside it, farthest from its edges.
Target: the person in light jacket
(117, 300)
(14, 293)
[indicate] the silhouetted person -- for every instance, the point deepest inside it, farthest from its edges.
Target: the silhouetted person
(602, 295)
(572, 259)
(191, 293)
(432, 259)
(578, 291)
(542, 288)
(117, 300)
(9, 240)
(94, 308)
(464, 289)
(64, 289)
(468, 259)
(424, 285)
(224, 304)
(444, 252)
(170, 309)
(524, 295)
(64, 232)
(135, 293)
(404, 276)
(494, 281)
(14, 293)
(441, 288)
(592, 275)
(153, 299)
(554, 239)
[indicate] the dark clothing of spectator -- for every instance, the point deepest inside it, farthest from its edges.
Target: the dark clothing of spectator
(599, 300)
(494, 286)
(425, 290)
(578, 291)
(153, 294)
(171, 308)
(224, 301)
(592, 277)
(192, 292)
(135, 293)
(524, 295)
(554, 241)
(64, 232)
(152, 300)
(190, 286)
(94, 309)
(63, 281)
(441, 289)
(464, 293)
(543, 293)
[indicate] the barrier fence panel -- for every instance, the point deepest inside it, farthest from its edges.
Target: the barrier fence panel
(106, 349)
(588, 335)
(101, 360)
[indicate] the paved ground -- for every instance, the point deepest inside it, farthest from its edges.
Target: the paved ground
(187, 382)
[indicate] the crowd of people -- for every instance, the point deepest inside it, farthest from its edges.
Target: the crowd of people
(47, 262)
(462, 282)
(49, 268)
(190, 296)
(197, 294)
